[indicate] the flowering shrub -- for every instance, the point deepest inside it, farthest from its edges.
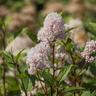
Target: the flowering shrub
(55, 66)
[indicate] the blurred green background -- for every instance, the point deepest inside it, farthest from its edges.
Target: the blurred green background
(24, 17)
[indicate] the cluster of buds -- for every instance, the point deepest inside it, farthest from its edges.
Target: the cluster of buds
(37, 57)
(89, 53)
(53, 28)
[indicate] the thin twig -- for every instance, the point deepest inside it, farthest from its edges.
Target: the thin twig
(46, 88)
(51, 90)
(57, 91)
(4, 65)
(4, 78)
(53, 59)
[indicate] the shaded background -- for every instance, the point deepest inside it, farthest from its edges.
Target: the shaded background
(23, 19)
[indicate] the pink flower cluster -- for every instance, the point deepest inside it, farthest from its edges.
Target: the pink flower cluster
(38, 57)
(53, 28)
(89, 51)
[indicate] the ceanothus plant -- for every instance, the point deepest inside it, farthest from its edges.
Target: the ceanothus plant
(57, 62)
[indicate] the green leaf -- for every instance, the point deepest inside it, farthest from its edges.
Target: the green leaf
(24, 83)
(70, 29)
(86, 93)
(90, 27)
(8, 57)
(33, 36)
(12, 83)
(23, 67)
(48, 78)
(18, 55)
(40, 94)
(70, 89)
(30, 86)
(64, 72)
(22, 76)
(15, 34)
(32, 79)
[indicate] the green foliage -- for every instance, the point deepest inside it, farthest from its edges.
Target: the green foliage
(90, 27)
(70, 76)
(64, 73)
(48, 78)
